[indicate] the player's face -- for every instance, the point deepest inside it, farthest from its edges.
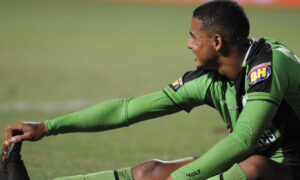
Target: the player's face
(203, 46)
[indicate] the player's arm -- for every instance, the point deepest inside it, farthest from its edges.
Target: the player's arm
(104, 116)
(113, 114)
(254, 119)
(116, 113)
(124, 112)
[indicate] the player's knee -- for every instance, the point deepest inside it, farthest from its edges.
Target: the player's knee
(152, 165)
(147, 169)
(254, 167)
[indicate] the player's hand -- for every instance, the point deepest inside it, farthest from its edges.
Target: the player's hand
(169, 178)
(32, 131)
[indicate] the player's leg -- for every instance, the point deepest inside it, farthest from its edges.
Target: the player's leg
(121, 174)
(256, 167)
(259, 167)
(148, 170)
(12, 168)
(158, 170)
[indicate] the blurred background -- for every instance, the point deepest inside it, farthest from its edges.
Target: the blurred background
(59, 56)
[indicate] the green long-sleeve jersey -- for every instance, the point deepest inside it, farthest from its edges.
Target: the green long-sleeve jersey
(261, 110)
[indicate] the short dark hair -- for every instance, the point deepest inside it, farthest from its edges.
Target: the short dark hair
(225, 17)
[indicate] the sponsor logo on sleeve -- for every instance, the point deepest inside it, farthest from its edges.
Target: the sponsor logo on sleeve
(192, 174)
(267, 140)
(177, 84)
(259, 73)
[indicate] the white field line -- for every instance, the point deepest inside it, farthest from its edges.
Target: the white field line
(72, 105)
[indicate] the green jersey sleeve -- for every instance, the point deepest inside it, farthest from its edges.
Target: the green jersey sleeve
(191, 89)
(275, 75)
(253, 120)
(113, 114)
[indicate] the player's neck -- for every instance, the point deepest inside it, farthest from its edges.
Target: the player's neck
(231, 65)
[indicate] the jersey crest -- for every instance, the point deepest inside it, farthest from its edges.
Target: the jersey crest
(259, 73)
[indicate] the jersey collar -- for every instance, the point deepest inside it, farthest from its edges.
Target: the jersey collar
(247, 53)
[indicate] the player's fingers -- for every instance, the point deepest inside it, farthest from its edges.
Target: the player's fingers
(16, 139)
(19, 138)
(10, 129)
(8, 133)
(5, 143)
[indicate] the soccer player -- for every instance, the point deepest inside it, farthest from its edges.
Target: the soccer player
(254, 84)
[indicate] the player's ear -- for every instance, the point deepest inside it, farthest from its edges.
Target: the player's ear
(218, 42)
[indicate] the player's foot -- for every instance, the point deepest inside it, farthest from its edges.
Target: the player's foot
(11, 164)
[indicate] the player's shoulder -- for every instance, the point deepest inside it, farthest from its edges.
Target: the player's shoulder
(200, 77)
(260, 53)
(195, 74)
(194, 79)
(267, 51)
(259, 61)
(281, 51)
(268, 56)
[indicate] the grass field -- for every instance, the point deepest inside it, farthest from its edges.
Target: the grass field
(74, 51)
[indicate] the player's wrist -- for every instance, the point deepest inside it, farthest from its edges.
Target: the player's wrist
(44, 130)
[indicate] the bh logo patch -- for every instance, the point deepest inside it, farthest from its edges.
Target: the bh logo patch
(259, 73)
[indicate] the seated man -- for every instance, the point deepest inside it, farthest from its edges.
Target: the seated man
(254, 84)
